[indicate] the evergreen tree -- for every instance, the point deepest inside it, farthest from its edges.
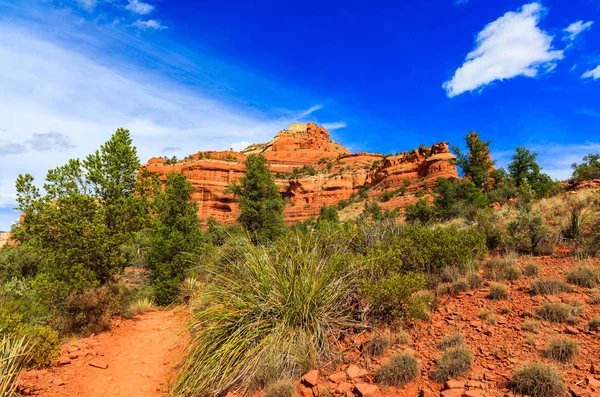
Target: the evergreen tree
(261, 205)
(175, 238)
(588, 169)
(524, 169)
(477, 164)
(88, 212)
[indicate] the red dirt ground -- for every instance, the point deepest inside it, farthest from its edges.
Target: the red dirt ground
(139, 353)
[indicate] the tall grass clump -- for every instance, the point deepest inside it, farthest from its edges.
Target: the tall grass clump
(546, 286)
(558, 312)
(455, 361)
(14, 355)
(265, 316)
(584, 276)
(401, 369)
(538, 380)
(561, 349)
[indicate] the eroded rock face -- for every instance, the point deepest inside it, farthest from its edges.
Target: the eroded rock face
(337, 174)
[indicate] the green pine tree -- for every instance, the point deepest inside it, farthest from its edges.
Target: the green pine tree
(261, 205)
(477, 164)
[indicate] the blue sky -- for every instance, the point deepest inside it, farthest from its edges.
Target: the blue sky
(185, 76)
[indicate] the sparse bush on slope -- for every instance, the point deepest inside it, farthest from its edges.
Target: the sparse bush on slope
(539, 380)
(267, 315)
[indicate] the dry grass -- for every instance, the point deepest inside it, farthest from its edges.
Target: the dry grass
(475, 280)
(558, 312)
(584, 276)
(401, 369)
(281, 388)
(498, 291)
(594, 324)
(538, 380)
(455, 361)
(501, 268)
(142, 305)
(549, 287)
(402, 338)
(451, 340)
(459, 286)
(488, 316)
(377, 345)
(531, 269)
(532, 326)
(561, 349)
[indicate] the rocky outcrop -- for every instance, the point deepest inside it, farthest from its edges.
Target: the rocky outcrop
(311, 171)
(4, 238)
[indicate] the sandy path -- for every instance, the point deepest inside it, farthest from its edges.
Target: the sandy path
(139, 353)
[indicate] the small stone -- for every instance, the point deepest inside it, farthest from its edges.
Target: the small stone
(338, 377)
(577, 391)
(354, 371)
(474, 393)
(365, 389)
(311, 378)
(452, 393)
(427, 393)
(58, 382)
(344, 387)
(99, 364)
(64, 360)
(454, 384)
(593, 369)
(571, 330)
(593, 382)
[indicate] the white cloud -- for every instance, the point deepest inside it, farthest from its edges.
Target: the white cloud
(139, 7)
(87, 5)
(593, 74)
(513, 45)
(335, 126)
(574, 29)
(50, 87)
(310, 111)
(149, 24)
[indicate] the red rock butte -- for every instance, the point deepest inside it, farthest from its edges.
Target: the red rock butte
(337, 174)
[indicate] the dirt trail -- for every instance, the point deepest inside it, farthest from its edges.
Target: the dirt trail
(138, 353)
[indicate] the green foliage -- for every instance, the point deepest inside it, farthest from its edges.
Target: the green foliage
(455, 361)
(538, 380)
(459, 286)
(399, 370)
(525, 169)
(477, 164)
(455, 198)
(251, 329)
(305, 170)
(421, 212)
(531, 326)
(261, 205)
(528, 233)
(329, 214)
(588, 169)
(584, 276)
(175, 239)
(561, 349)
(390, 296)
(531, 269)
(475, 280)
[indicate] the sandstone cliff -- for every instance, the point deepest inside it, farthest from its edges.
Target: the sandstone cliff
(311, 171)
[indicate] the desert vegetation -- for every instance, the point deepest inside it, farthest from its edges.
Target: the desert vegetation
(269, 302)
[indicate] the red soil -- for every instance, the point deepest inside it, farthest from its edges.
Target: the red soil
(138, 353)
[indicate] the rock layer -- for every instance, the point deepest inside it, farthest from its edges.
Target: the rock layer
(311, 171)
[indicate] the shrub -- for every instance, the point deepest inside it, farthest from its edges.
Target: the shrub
(498, 291)
(189, 288)
(451, 340)
(549, 287)
(531, 269)
(558, 312)
(251, 330)
(561, 349)
(475, 280)
(141, 306)
(450, 274)
(14, 355)
(389, 297)
(528, 233)
(594, 324)
(454, 362)
(281, 388)
(459, 286)
(538, 380)
(488, 316)
(586, 277)
(420, 304)
(531, 326)
(402, 338)
(377, 345)
(513, 273)
(401, 369)
(497, 268)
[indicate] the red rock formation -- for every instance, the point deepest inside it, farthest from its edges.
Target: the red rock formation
(338, 174)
